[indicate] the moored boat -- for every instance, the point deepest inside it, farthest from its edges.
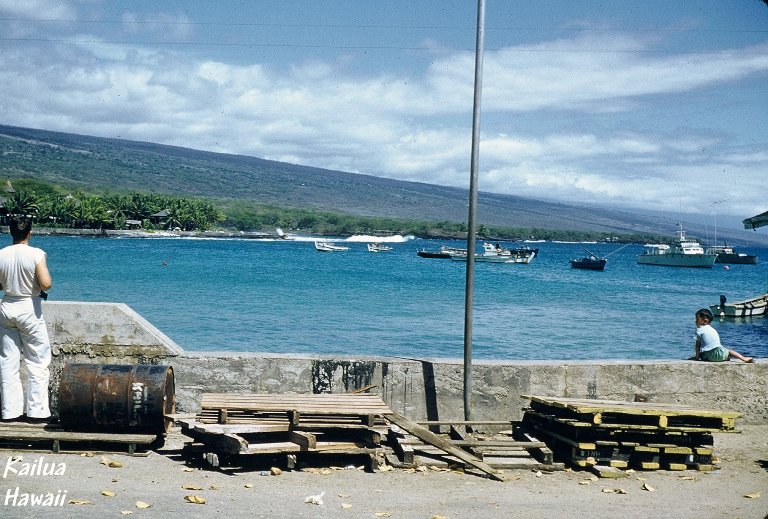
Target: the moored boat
(496, 254)
(685, 252)
(378, 247)
(590, 262)
(747, 308)
(324, 246)
(727, 254)
(443, 253)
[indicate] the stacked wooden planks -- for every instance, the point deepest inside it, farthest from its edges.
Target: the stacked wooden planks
(243, 424)
(641, 435)
(333, 408)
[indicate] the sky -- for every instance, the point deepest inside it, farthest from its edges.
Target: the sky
(653, 105)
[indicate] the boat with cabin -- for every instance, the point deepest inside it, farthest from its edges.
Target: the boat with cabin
(726, 254)
(497, 254)
(591, 262)
(684, 252)
(755, 306)
(443, 253)
(324, 246)
(378, 247)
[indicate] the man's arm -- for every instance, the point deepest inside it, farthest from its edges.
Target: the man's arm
(42, 275)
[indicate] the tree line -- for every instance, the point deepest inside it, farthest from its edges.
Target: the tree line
(78, 210)
(52, 206)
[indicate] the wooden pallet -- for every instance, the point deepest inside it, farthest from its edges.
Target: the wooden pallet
(294, 409)
(611, 412)
(237, 439)
(289, 426)
(583, 431)
(221, 444)
(52, 438)
(618, 435)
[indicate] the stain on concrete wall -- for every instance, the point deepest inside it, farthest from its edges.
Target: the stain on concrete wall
(334, 376)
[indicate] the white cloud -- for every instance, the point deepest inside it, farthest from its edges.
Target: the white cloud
(413, 128)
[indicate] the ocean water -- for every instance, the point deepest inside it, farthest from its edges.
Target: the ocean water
(285, 297)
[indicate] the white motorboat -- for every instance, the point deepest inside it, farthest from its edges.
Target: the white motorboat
(378, 247)
(497, 254)
(324, 246)
(444, 253)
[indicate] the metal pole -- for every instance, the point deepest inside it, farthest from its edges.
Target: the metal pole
(471, 224)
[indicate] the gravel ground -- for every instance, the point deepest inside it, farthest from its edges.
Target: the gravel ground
(88, 487)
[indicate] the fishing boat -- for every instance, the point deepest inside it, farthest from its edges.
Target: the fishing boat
(727, 254)
(497, 254)
(590, 262)
(684, 252)
(748, 308)
(378, 247)
(443, 253)
(324, 246)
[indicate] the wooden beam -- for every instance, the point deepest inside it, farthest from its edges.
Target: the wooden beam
(305, 439)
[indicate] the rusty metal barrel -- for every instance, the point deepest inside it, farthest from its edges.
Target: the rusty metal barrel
(117, 398)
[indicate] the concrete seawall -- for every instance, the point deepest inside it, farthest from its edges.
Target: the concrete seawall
(112, 333)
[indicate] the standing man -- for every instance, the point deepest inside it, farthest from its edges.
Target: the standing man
(23, 275)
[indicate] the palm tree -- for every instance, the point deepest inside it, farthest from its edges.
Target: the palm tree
(21, 203)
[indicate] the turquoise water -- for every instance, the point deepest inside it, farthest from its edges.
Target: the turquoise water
(285, 297)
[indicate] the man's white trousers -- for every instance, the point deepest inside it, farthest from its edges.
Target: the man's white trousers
(23, 332)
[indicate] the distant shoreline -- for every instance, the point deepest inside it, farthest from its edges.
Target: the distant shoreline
(140, 233)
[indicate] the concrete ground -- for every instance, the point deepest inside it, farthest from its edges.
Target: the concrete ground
(88, 487)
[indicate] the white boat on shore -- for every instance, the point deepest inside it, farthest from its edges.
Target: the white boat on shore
(685, 252)
(324, 246)
(378, 247)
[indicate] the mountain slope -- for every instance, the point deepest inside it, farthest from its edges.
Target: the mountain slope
(99, 163)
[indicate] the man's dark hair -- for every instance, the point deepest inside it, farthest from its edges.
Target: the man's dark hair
(20, 227)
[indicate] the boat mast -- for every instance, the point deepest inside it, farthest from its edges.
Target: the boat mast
(471, 223)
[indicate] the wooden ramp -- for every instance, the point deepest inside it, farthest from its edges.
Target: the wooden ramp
(462, 446)
(641, 435)
(52, 438)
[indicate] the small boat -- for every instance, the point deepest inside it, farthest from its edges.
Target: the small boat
(748, 308)
(685, 252)
(378, 247)
(324, 246)
(496, 254)
(443, 253)
(726, 254)
(590, 262)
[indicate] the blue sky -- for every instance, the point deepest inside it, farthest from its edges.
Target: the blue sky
(657, 105)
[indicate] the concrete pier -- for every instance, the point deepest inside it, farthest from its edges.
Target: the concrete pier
(422, 389)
